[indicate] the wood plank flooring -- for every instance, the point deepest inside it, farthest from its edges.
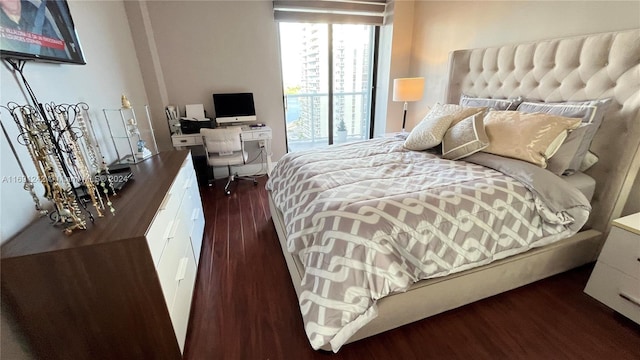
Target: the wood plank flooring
(245, 307)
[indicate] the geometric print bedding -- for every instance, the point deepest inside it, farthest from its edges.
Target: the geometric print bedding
(369, 219)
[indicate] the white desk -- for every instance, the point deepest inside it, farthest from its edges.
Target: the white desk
(180, 142)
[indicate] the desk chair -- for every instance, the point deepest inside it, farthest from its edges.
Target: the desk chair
(225, 148)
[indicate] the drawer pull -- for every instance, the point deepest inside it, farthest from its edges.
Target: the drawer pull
(182, 268)
(165, 201)
(167, 230)
(630, 299)
(183, 141)
(174, 229)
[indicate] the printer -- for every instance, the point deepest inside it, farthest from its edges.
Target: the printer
(195, 119)
(193, 127)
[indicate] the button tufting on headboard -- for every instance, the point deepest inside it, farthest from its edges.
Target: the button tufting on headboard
(571, 69)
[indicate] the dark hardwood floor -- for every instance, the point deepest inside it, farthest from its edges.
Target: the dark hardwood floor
(245, 306)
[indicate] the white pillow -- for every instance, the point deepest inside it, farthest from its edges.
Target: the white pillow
(430, 131)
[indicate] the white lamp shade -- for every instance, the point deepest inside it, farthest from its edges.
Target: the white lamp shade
(408, 89)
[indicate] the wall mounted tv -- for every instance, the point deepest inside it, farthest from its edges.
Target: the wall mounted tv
(39, 30)
(234, 107)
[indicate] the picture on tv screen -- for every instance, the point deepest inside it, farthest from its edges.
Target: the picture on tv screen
(38, 29)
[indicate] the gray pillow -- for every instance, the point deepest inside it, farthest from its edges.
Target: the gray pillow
(560, 161)
(591, 112)
(495, 104)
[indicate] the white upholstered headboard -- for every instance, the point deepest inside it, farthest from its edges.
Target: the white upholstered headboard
(570, 69)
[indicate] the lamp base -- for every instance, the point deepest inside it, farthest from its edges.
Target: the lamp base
(404, 116)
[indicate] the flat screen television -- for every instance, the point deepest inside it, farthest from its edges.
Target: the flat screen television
(39, 30)
(234, 108)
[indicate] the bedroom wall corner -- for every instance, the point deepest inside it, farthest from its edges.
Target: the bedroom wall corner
(147, 53)
(396, 63)
(206, 47)
(444, 26)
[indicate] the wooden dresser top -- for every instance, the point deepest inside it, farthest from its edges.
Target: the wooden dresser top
(136, 205)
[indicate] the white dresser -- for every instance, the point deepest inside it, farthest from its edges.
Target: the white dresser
(175, 238)
(615, 280)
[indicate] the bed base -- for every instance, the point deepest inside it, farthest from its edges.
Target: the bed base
(433, 296)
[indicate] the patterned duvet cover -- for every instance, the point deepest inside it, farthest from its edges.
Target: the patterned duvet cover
(368, 219)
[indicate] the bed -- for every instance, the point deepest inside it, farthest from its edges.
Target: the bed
(585, 68)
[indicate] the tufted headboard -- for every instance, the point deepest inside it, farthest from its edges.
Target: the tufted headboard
(570, 69)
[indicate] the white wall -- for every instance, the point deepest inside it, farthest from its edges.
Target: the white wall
(443, 26)
(393, 62)
(112, 69)
(206, 47)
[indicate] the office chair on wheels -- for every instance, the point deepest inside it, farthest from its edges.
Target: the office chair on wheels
(225, 148)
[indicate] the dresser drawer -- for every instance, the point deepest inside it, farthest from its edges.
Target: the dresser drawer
(170, 259)
(165, 216)
(615, 289)
(197, 232)
(158, 234)
(622, 251)
(192, 210)
(179, 310)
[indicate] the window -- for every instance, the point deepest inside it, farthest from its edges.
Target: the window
(327, 74)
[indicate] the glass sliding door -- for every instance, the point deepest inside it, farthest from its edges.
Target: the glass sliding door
(327, 76)
(352, 50)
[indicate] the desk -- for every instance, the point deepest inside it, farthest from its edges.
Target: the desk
(180, 142)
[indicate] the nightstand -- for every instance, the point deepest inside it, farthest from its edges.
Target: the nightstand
(615, 280)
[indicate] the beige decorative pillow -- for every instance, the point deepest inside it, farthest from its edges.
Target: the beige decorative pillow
(465, 138)
(592, 113)
(430, 131)
(529, 137)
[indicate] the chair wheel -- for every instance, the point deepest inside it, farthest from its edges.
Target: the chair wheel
(255, 183)
(228, 192)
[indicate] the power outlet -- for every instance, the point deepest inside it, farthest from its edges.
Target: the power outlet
(262, 143)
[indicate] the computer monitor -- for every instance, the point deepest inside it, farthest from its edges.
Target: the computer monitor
(233, 108)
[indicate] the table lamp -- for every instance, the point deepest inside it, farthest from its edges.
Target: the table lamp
(407, 89)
